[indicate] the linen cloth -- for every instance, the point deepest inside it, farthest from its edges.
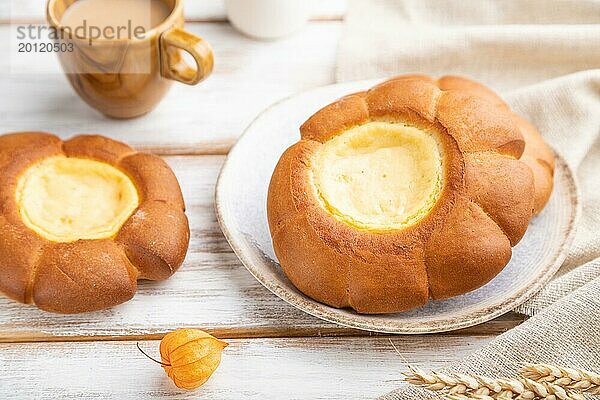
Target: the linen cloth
(543, 56)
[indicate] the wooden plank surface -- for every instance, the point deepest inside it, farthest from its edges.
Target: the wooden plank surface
(212, 290)
(206, 119)
(275, 350)
(195, 10)
(300, 368)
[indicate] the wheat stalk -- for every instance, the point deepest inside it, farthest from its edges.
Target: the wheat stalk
(462, 386)
(569, 378)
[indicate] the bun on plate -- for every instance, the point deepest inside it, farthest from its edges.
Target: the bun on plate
(416, 189)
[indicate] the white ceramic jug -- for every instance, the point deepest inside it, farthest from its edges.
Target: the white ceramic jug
(268, 19)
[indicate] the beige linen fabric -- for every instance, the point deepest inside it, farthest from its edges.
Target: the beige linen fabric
(543, 56)
(564, 334)
(505, 44)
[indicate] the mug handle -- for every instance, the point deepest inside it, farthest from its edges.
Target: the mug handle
(174, 67)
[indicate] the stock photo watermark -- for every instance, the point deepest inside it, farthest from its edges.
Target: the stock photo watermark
(89, 43)
(30, 43)
(29, 36)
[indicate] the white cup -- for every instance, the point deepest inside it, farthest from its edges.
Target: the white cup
(268, 19)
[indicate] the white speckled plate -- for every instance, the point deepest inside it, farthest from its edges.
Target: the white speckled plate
(241, 208)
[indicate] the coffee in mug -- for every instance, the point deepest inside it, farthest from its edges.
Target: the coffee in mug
(126, 53)
(110, 14)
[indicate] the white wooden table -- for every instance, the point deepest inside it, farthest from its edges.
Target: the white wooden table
(276, 351)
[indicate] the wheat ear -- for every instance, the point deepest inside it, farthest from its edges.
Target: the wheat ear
(462, 386)
(570, 378)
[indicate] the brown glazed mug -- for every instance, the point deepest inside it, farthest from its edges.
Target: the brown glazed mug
(127, 77)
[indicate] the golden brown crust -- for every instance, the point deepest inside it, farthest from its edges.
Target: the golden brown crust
(147, 169)
(536, 154)
(89, 275)
(82, 276)
(504, 189)
(485, 205)
(22, 149)
(335, 118)
(540, 158)
(389, 282)
(479, 125)
(282, 204)
(413, 101)
(301, 247)
(451, 82)
(17, 152)
(466, 253)
(96, 147)
(156, 239)
(18, 260)
(19, 246)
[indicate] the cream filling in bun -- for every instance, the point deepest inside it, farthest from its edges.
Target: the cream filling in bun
(68, 199)
(379, 176)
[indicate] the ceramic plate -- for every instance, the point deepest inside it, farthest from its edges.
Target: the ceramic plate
(241, 208)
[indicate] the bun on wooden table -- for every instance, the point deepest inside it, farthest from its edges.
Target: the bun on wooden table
(82, 220)
(416, 189)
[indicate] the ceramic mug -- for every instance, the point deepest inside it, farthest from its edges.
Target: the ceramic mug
(127, 77)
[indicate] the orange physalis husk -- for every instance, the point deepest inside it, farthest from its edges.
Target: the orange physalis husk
(190, 356)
